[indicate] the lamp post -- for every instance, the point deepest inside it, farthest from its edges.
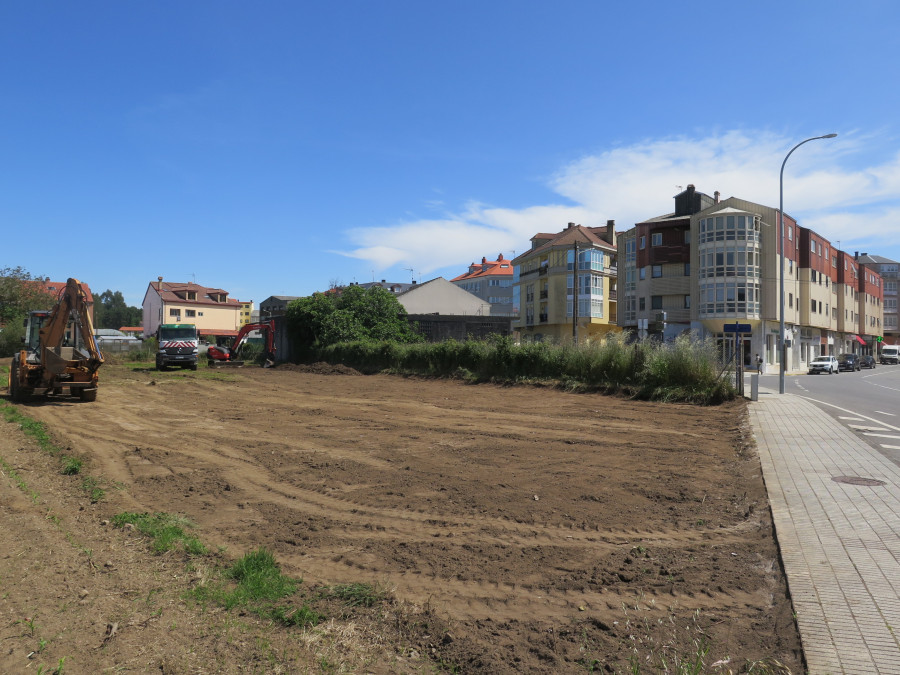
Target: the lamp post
(781, 345)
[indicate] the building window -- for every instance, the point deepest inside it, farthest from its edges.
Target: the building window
(791, 300)
(813, 308)
(643, 242)
(687, 302)
(642, 274)
(687, 236)
(657, 271)
(174, 312)
(642, 304)
(190, 312)
(655, 302)
(656, 239)
(687, 269)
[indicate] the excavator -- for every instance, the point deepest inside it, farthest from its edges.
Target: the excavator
(219, 357)
(61, 354)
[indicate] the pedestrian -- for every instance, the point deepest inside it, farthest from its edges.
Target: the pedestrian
(758, 364)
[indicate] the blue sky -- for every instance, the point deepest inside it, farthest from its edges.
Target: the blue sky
(272, 148)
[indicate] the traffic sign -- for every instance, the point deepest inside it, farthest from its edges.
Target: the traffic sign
(737, 328)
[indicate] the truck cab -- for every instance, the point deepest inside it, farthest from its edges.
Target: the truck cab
(890, 354)
(178, 345)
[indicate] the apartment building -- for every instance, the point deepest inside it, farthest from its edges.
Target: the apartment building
(655, 270)
(888, 270)
(210, 309)
(491, 281)
(871, 312)
(565, 285)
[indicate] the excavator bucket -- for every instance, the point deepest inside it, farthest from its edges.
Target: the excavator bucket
(215, 363)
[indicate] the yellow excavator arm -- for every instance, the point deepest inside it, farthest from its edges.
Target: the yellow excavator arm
(72, 305)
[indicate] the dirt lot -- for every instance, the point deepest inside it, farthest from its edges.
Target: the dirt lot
(516, 529)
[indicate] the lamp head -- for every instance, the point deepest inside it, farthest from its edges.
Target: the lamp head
(829, 136)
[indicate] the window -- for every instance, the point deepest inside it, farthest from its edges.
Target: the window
(655, 302)
(812, 246)
(643, 242)
(174, 311)
(687, 269)
(687, 236)
(791, 300)
(687, 302)
(813, 307)
(656, 271)
(190, 312)
(642, 304)
(643, 273)
(790, 233)
(656, 239)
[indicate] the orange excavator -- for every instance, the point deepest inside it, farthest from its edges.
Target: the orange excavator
(61, 354)
(221, 356)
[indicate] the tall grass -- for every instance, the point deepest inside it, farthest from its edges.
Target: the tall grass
(686, 370)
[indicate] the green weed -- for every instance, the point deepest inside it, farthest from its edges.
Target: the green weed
(71, 466)
(92, 486)
(356, 595)
(166, 531)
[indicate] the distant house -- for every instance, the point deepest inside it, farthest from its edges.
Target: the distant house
(54, 288)
(246, 312)
(492, 281)
(439, 296)
(210, 309)
(133, 331)
(275, 305)
(440, 310)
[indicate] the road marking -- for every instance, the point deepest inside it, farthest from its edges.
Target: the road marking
(890, 447)
(869, 433)
(882, 412)
(852, 412)
(859, 427)
(851, 419)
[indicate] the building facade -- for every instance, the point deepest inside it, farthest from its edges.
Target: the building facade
(888, 270)
(210, 309)
(491, 281)
(565, 286)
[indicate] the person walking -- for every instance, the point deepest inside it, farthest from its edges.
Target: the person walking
(758, 364)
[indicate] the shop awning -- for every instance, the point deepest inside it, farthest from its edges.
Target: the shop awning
(859, 340)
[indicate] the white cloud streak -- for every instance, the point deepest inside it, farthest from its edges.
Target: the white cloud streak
(857, 206)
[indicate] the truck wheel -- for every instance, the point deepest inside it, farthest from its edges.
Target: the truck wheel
(193, 366)
(160, 367)
(87, 395)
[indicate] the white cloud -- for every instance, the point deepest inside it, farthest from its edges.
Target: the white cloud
(633, 183)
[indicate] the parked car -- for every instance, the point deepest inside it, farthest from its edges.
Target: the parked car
(867, 361)
(848, 362)
(824, 364)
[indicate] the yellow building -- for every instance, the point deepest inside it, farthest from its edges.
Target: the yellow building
(210, 309)
(246, 313)
(545, 279)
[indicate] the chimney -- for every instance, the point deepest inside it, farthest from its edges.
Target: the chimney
(716, 195)
(158, 284)
(571, 225)
(499, 257)
(611, 232)
(483, 260)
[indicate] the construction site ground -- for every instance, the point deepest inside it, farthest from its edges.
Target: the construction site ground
(510, 529)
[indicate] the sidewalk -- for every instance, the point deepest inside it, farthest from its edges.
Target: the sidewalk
(840, 541)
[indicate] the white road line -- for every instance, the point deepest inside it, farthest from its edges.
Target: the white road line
(859, 427)
(882, 412)
(851, 419)
(869, 433)
(837, 407)
(890, 447)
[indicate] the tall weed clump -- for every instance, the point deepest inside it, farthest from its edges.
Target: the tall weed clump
(686, 370)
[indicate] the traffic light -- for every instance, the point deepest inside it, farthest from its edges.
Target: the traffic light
(879, 339)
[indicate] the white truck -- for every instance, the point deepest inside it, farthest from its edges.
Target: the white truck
(890, 354)
(178, 345)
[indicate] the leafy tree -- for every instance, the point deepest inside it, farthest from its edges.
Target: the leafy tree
(348, 314)
(110, 311)
(20, 292)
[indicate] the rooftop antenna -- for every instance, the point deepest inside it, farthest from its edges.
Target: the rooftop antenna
(412, 273)
(194, 278)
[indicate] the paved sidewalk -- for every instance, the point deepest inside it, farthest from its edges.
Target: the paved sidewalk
(840, 542)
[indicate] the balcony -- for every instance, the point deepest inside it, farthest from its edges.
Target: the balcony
(613, 296)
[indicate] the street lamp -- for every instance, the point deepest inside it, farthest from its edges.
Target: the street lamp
(781, 345)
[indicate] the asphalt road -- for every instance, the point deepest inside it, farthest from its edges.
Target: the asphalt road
(866, 402)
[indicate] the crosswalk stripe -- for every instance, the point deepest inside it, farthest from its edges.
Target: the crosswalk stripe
(859, 427)
(867, 433)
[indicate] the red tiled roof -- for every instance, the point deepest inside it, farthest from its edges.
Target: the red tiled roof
(570, 235)
(176, 292)
(487, 268)
(55, 287)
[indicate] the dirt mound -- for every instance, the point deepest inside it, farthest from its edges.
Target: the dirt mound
(318, 368)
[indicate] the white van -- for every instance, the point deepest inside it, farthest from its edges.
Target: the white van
(890, 354)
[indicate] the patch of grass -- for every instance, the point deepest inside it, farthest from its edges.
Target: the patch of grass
(255, 583)
(93, 488)
(71, 465)
(19, 481)
(356, 595)
(166, 531)
(36, 430)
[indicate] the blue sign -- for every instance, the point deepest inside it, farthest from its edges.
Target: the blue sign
(737, 328)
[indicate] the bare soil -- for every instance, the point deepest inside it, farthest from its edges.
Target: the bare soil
(513, 529)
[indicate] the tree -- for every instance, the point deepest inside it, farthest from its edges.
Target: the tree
(110, 311)
(20, 292)
(348, 314)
